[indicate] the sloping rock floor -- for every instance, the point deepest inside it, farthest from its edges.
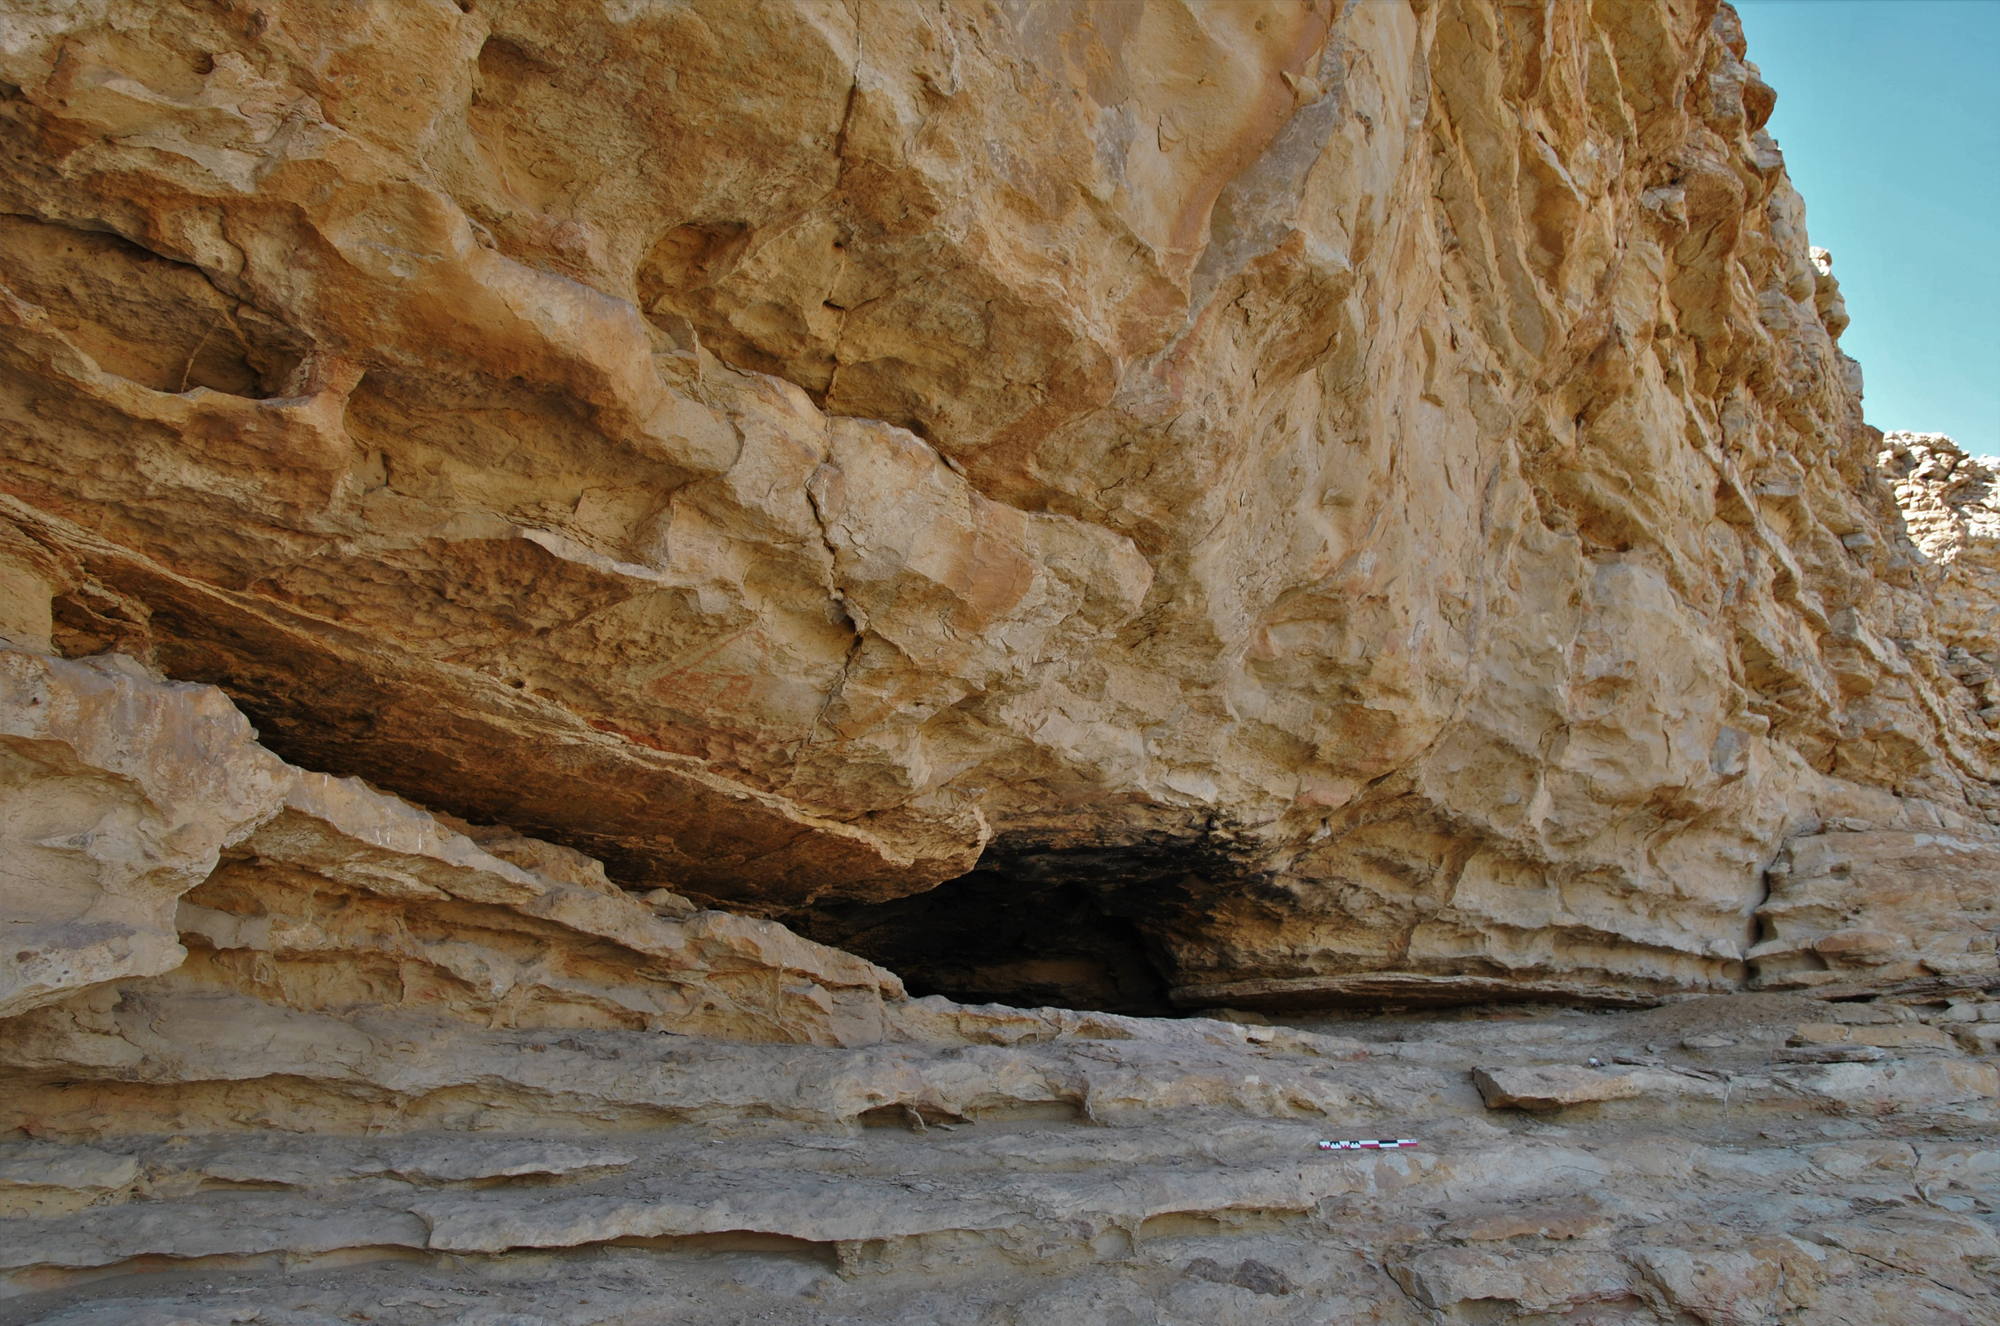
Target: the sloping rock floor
(1735, 1159)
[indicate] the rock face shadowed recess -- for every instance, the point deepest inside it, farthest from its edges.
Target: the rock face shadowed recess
(1401, 453)
(641, 644)
(285, 1036)
(797, 455)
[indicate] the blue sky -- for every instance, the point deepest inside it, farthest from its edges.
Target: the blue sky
(1889, 117)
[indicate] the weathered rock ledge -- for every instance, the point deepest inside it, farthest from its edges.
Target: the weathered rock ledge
(597, 602)
(277, 1035)
(1310, 504)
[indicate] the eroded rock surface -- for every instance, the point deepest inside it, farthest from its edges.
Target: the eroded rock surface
(379, 1064)
(729, 519)
(150, 819)
(1353, 500)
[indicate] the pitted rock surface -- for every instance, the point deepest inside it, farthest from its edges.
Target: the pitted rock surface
(1355, 501)
(642, 644)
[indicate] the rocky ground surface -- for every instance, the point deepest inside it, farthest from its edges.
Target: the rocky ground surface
(1733, 1159)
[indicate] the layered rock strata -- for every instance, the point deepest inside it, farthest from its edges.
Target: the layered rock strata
(281, 1039)
(1347, 501)
(1897, 896)
(724, 516)
(283, 1043)
(143, 819)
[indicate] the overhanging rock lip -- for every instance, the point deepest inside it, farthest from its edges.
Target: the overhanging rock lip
(659, 815)
(1290, 993)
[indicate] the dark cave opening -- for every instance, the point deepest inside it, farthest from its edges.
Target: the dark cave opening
(1071, 927)
(984, 938)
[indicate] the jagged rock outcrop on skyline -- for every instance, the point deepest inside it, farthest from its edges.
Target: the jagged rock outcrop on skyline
(1951, 504)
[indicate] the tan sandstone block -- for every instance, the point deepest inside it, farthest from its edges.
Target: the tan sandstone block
(1558, 1086)
(1821, 1033)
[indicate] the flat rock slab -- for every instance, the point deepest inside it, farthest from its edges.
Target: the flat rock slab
(228, 1225)
(1557, 1086)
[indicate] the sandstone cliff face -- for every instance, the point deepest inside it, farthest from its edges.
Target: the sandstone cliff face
(1950, 503)
(1315, 501)
(1229, 506)
(287, 1049)
(1385, 485)
(1901, 897)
